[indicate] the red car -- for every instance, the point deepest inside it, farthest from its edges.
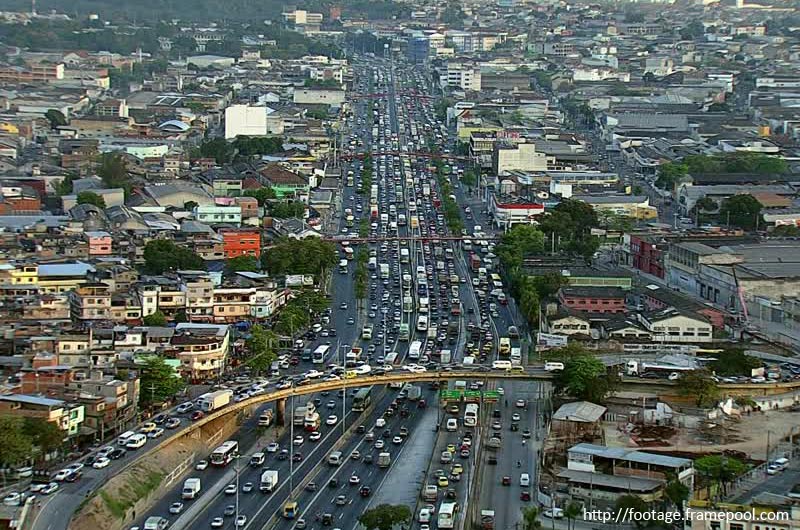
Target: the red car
(196, 415)
(525, 496)
(506, 481)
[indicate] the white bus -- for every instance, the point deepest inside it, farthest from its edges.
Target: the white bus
(226, 452)
(318, 357)
(471, 415)
(447, 515)
(422, 323)
(414, 350)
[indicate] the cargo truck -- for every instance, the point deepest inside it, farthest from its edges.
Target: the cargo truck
(445, 357)
(384, 460)
(487, 519)
(216, 400)
(269, 480)
(191, 487)
(414, 392)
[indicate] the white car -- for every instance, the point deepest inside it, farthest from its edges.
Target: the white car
(298, 440)
(273, 447)
(49, 488)
(314, 436)
(379, 444)
(217, 522)
(313, 374)
(62, 474)
(201, 465)
(101, 462)
(354, 480)
(12, 499)
(241, 520)
(415, 368)
(230, 489)
(156, 433)
(332, 420)
(176, 508)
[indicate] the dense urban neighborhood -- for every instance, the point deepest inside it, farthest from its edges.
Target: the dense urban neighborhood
(400, 265)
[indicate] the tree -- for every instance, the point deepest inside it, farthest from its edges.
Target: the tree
(161, 255)
(158, 382)
(469, 178)
(706, 204)
(241, 264)
(734, 361)
(626, 506)
(43, 434)
(521, 241)
(300, 256)
(262, 195)
(90, 197)
(585, 377)
(743, 211)
(699, 385)
(677, 492)
(156, 319)
(570, 224)
(180, 316)
(530, 518)
(719, 469)
(190, 205)
(218, 148)
(114, 172)
(385, 517)
(261, 349)
(670, 174)
(17, 447)
(286, 209)
(56, 118)
(571, 512)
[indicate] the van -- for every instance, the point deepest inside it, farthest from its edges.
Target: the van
(335, 458)
(124, 437)
(136, 441)
(501, 365)
(552, 366)
(777, 466)
(517, 369)
(525, 480)
(446, 458)
(155, 523)
(380, 423)
(257, 459)
(452, 425)
(430, 493)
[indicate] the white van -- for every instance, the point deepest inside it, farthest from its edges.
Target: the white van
(452, 425)
(502, 365)
(124, 437)
(552, 366)
(524, 480)
(335, 458)
(380, 423)
(136, 441)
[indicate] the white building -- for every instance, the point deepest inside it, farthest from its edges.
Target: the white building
(315, 96)
(518, 157)
(670, 325)
(509, 214)
(465, 77)
(245, 120)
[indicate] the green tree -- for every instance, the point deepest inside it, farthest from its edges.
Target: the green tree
(158, 382)
(155, 319)
(180, 316)
(261, 349)
(519, 242)
(677, 492)
(719, 469)
(549, 283)
(90, 197)
(190, 205)
(627, 505)
(262, 195)
(286, 209)
(217, 148)
(161, 255)
(469, 178)
(670, 174)
(241, 264)
(530, 518)
(742, 211)
(699, 385)
(734, 361)
(571, 513)
(45, 435)
(585, 377)
(303, 256)
(706, 204)
(113, 170)
(385, 517)
(56, 118)
(570, 225)
(17, 447)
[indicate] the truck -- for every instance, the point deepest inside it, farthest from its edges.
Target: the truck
(372, 264)
(191, 487)
(384, 270)
(299, 416)
(349, 220)
(265, 419)
(445, 357)
(516, 356)
(414, 392)
(343, 266)
(433, 329)
(474, 261)
(487, 519)
(353, 356)
(373, 212)
(384, 460)
(349, 253)
(269, 480)
(216, 400)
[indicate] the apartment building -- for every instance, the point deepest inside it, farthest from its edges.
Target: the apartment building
(202, 349)
(67, 416)
(461, 76)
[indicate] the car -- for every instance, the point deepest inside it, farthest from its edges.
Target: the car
(241, 520)
(314, 436)
(283, 455)
(230, 509)
(230, 489)
(13, 499)
(554, 513)
(101, 462)
(341, 500)
(176, 508)
(505, 481)
(172, 423)
(298, 440)
(116, 454)
(73, 476)
(331, 404)
(355, 455)
(217, 522)
(397, 440)
(77, 466)
(297, 457)
(333, 483)
(379, 444)
(525, 495)
(311, 486)
(201, 465)
(61, 474)
(196, 415)
(354, 480)
(273, 447)
(248, 487)
(526, 433)
(331, 420)
(442, 482)
(157, 433)
(516, 417)
(365, 491)
(49, 488)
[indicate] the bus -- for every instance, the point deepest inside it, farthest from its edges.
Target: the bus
(350, 179)
(405, 332)
(226, 452)
(414, 350)
(362, 400)
(290, 510)
(391, 358)
(447, 515)
(471, 415)
(422, 323)
(318, 357)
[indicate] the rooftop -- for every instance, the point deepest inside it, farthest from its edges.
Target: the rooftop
(630, 455)
(579, 411)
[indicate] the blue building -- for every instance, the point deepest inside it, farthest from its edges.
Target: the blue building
(418, 49)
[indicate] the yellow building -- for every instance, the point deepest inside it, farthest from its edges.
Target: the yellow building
(13, 274)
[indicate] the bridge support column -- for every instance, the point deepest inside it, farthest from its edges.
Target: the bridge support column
(280, 412)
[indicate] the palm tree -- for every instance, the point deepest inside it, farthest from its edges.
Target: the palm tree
(530, 518)
(571, 512)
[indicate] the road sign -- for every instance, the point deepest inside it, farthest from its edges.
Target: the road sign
(472, 396)
(450, 395)
(491, 396)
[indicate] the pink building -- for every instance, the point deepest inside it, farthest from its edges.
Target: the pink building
(100, 243)
(593, 299)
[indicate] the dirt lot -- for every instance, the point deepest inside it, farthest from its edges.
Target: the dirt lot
(748, 435)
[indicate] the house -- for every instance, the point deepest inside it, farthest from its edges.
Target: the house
(202, 349)
(634, 206)
(284, 182)
(568, 324)
(241, 243)
(672, 325)
(318, 96)
(577, 420)
(593, 299)
(213, 214)
(67, 416)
